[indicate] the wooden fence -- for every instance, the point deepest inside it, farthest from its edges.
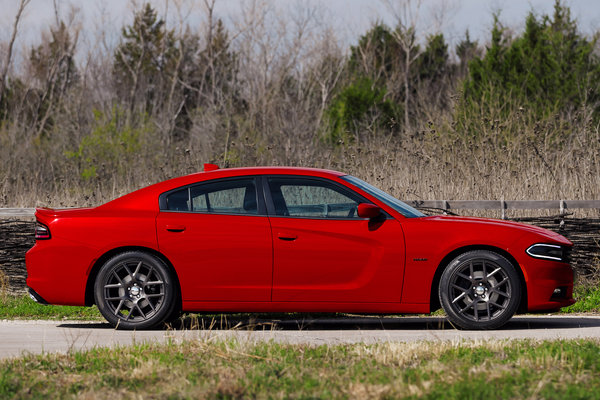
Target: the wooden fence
(17, 226)
(16, 237)
(563, 206)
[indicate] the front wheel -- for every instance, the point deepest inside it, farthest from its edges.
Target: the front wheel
(480, 290)
(135, 290)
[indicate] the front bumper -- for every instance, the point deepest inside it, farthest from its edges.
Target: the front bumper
(549, 285)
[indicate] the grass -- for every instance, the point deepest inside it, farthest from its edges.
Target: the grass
(22, 307)
(588, 300)
(235, 369)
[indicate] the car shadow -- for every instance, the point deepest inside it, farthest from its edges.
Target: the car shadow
(336, 322)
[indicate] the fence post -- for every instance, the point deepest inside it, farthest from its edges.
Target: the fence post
(562, 214)
(503, 207)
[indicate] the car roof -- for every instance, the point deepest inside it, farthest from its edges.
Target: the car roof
(243, 171)
(147, 197)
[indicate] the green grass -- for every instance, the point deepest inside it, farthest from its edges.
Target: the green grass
(588, 300)
(22, 307)
(234, 369)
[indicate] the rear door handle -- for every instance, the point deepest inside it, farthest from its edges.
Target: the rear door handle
(287, 236)
(176, 228)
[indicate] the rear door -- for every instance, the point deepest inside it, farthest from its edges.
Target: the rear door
(218, 237)
(322, 250)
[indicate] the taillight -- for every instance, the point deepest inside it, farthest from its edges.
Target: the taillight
(41, 231)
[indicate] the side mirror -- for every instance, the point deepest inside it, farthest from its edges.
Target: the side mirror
(368, 210)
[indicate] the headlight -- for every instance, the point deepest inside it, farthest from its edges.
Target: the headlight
(549, 252)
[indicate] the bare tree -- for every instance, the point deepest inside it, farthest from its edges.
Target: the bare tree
(406, 14)
(52, 65)
(13, 36)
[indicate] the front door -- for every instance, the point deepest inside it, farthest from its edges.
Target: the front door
(322, 250)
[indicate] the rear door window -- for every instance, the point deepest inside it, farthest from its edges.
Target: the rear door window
(232, 196)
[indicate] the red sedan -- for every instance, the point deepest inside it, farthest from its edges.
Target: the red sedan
(290, 239)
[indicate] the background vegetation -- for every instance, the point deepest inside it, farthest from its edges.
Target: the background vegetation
(515, 117)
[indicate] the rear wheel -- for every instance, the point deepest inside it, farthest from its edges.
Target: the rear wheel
(135, 290)
(480, 290)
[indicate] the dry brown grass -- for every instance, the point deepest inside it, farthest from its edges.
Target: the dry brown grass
(431, 165)
(4, 286)
(241, 369)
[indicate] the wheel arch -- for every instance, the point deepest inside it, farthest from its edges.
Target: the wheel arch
(89, 287)
(434, 300)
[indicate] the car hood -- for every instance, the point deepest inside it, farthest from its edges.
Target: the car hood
(517, 226)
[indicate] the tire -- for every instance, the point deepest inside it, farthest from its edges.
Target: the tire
(480, 290)
(135, 290)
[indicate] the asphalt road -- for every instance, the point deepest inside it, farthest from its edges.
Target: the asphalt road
(23, 337)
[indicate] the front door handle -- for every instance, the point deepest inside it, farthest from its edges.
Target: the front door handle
(176, 228)
(287, 236)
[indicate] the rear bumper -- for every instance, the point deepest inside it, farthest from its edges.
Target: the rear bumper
(54, 274)
(36, 297)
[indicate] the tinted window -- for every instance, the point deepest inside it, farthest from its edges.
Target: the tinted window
(179, 200)
(224, 197)
(386, 198)
(312, 198)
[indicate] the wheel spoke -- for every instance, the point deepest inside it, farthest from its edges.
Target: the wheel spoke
(487, 305)
(137, 269)
(127, 269)
(493, 272)
(466, 308)
(114, 273)
(115, 298)
(462, 289)
(475, 311)
(471, 270)
(154, 283)
(152, 295)
(497, 305)
(500, 292)
(150, 304)
(468, 278)
(140, 310)
(119, 307)
(500, 283)
(460, 296)
(148, 275)
(113, 285)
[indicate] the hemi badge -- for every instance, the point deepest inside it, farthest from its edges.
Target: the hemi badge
(419, 259)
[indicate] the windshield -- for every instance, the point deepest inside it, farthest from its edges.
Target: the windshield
(389, 200)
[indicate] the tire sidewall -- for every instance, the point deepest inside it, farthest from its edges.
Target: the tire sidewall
(451, 269)
(169, 302)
